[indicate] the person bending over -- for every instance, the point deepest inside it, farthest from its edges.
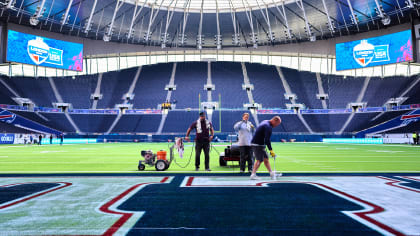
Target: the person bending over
(260, 140)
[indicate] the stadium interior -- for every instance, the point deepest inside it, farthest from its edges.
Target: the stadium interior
(107, 89)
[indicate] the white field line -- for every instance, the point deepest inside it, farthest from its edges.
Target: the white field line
(418, 161)
(50, 151)
(74, 163)
(384, 151)
(209, 173)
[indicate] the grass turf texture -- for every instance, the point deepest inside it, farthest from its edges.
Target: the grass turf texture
(124, 157)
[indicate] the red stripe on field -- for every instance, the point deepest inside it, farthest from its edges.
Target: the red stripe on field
(125, 216)
(394, 183)
(406, 177)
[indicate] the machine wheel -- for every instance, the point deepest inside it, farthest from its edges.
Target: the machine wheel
(222, 162)
(161, 165)
(142, 167)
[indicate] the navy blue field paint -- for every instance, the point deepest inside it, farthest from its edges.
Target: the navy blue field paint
(282, 208)
(11, 193)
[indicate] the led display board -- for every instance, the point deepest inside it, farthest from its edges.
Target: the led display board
(382, 50)
(41, 51)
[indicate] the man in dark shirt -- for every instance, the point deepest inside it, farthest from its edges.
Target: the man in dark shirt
(61, 139)
(202, 141)
(259, 141)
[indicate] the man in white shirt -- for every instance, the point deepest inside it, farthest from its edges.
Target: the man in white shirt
(245, 131)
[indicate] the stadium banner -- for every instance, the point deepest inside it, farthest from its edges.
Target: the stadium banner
(41, 51)
(48, 109)
(354, 140)
(142, 111)
(7, 138)
(91, 111)
(398, 122)
(13, 107)
(382, 50)
(23, 123)
(372, 109)
(275, 111)
(398, 138)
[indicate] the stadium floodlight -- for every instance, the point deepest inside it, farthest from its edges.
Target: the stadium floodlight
(271, 37)
(385, 19)
(218, 41)
(33, 20)
(182, 39)
(40, 10)
(236, 40)
(88, 23)
(164, 39)
(108, 34)
(354, 19)
(106, 38)
(200, 41)
(412, 3)
(64, 19)
(9, 3)
(147, 36)
(254, 39)
(312, 38)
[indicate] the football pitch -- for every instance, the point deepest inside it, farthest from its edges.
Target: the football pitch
(96, 189)
(291, 158)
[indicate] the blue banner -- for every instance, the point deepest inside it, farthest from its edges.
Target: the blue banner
(40, 51)
(400, 121)
(382, 50)
(18, 121)
(7, 138)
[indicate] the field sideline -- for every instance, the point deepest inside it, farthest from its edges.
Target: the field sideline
(292, 157)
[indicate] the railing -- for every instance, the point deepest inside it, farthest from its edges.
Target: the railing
(260, 111)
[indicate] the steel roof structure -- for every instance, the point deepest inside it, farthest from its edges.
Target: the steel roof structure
(203, 24)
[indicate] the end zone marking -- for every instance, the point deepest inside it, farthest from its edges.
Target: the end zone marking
(20, 200)
(396, 183)
(125, 215)
(410, 178)
(360, 216)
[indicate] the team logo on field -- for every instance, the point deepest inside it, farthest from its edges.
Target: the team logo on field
(7, 117)
(365, 53)
(40, 52)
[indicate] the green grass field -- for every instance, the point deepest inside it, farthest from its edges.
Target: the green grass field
(124, 157)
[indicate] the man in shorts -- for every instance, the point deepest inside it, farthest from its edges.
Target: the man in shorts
(259, 141)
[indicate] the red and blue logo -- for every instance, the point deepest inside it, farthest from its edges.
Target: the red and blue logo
(7, 117)
(413, 116)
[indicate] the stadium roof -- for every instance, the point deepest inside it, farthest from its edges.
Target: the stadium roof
(202, 24)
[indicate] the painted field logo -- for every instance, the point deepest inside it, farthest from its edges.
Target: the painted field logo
(7, 117)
